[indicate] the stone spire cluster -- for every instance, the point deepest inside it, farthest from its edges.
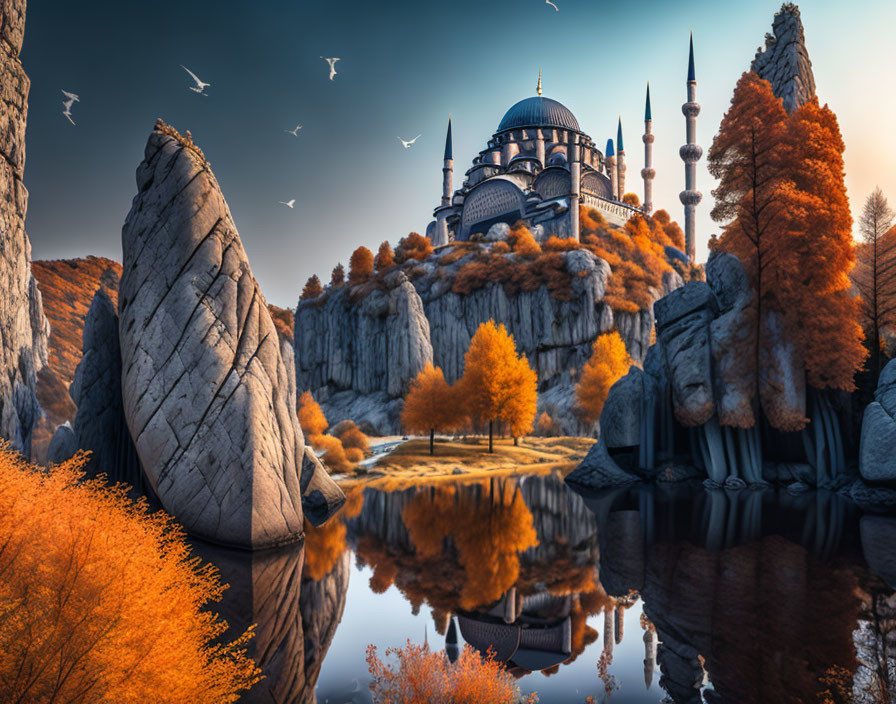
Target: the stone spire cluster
(784, 62)
(648, 172)
(690, 154)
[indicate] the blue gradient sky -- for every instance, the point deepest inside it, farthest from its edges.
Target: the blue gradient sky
(404, 67)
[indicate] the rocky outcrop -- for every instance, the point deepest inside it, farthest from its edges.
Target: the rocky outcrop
(877, 452)
(206, 392)
(23, 327)
(784, 62)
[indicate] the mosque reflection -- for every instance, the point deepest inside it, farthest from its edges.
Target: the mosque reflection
(749, 596)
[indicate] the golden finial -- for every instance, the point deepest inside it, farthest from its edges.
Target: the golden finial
(538, 89)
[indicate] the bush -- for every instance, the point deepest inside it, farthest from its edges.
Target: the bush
(385, 259)
(360, 266)
(354, 454)
(351, 436)
(522, 242)
(500, 248)
(414, 246)
(338, 276)
(311, 416)
(632, 199)
(334, 457)
(312, 288)
(544, 426)
(101, 601)
(422, 676)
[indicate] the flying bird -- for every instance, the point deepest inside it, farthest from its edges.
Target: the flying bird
(289, 203)
(407, 145)
(70, 99)
(200, 84)
(548, 2)
(295, 132)
(332, 63)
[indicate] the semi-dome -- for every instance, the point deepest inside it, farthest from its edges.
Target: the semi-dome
(539, 112)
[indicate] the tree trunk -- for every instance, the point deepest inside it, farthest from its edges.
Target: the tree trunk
(491, 447)
(432, 441)
(516, 442)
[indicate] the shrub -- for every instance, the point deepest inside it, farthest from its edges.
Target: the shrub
(522, 242)
(422, 676)
(458, 251)
(101, 601)
(334, 456)
(500, 248)
(384, 260)
(544, 426)
(312, 288)
(311, 416)
(338, 276)
(632, 199)
(360, 266)
(561, 244)
(414, 246)
(351, 436)
(354, 454)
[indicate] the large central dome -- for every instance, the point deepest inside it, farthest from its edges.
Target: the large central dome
(539, 112)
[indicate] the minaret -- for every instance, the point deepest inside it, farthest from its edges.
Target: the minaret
(441, 234)
(539, 134)
(610, 161)
(648, 172)
(620, 161)
(690, 153)
(575, 180)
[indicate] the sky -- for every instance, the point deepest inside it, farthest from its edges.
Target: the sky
(405, 66)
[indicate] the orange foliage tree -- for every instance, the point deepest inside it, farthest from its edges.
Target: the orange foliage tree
(360, 266)
(631, 199)
(107, 605)
(311, 416)
(414, 246)
(432, 404)
(609, 362)
(385, 259)
(498, 384)
(338, 276)
(314, 425)
(312, 288)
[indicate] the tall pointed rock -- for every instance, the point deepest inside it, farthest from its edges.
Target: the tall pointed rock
(207, 395)
(784, 62)
(23, 327)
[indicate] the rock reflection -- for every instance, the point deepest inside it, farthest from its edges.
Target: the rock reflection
(295, 615)
(755, 596)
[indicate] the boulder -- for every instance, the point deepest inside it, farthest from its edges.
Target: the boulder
(63, 445)
(23, 327)
(598, 470)
(321, 496)
(207, 396)
(877, 453)
(499, 232)
(620, 419)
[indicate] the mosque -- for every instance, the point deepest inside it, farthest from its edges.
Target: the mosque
(540, 166)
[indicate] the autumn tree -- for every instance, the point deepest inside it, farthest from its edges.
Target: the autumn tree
(384, 260)
(103, 602)
(498, 384)
(875, 273)
(632, 199)
(314, 425)
(609, 362)
(312, 288)
(360, 266)
(414, 246)
(432, 404)
(338, 276)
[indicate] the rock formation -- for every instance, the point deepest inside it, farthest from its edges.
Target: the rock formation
(206, 392)
(877, 452)
(23, 342)
(784, 62)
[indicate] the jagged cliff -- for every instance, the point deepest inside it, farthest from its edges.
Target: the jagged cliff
(23, 342)
(357, 350)
(784, 61)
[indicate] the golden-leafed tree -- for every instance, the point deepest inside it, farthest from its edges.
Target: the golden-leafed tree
(101, 601)
(432, 404)
(385, 259)
(875, 274)
(414, 246)
(609, 362)
(498, 384)
(338, 276)
(360, 266)
(312, 288)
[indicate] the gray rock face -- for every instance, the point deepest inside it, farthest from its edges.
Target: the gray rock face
(23, 327)
(206, 393)
(100, 426)
(598, 470)
(784, 62)
(877, 451)
(621, 415)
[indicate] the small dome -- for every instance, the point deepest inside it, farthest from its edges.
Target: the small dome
(539, 112)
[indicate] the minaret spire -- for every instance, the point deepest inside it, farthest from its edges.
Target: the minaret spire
(620, 161)
(610, 163)
(538, 87)
(648, 172)
(441, 233)
(690, 153)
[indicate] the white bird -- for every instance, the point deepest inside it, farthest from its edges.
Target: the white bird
(295, 132)
(332, 63)
(552, 5)
(71, 99)
(288, 203)
(200, 84)
(407, 145)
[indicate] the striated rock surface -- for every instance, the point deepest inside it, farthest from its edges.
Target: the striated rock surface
(784, 62)
(206, 392)
(23, 327)
(877, 451)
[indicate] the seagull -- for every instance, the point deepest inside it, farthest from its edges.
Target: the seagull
(70, 100)
(407, 145)
(289, 203)
(548, 2)
(200, 85)
(332, 63)
(295, 132)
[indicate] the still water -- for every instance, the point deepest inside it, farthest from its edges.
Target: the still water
(641, 594)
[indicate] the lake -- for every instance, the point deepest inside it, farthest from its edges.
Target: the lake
(648, 593)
